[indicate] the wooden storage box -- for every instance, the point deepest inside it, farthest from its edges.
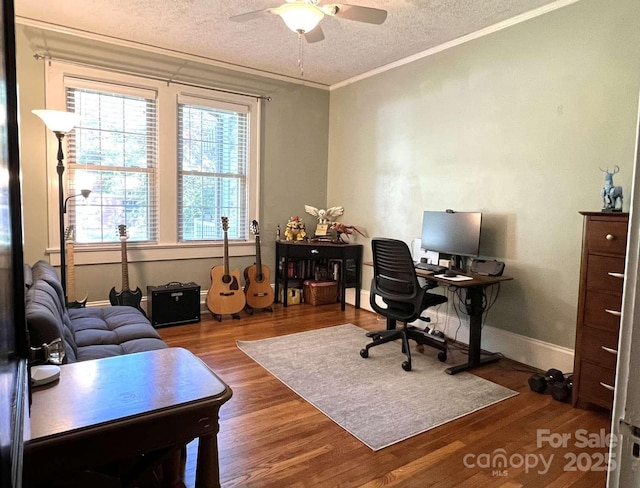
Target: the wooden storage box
(294, 296)
(320, 292)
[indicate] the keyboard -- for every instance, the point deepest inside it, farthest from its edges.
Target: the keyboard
(431, 267)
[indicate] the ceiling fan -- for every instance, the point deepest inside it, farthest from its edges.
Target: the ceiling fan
(303, 16)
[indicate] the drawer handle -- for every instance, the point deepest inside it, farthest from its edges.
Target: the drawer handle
(616, 275)
(609, 350)
(608, 387)
(613, 312)
(610, 237)
(314, 251)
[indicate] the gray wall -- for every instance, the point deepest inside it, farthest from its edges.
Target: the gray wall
(293, 161)
(514, 124)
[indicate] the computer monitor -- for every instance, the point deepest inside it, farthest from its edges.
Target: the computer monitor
(454, 233)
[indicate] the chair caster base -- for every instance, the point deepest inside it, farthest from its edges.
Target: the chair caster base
(442, 356)
(364, 353)
(406, 366)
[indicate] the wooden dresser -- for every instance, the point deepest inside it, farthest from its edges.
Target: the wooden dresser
(604, 241)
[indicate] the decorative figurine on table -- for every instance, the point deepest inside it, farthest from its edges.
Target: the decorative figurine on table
(341, 230)
(611, 194)
(324, 218)
(295, 230)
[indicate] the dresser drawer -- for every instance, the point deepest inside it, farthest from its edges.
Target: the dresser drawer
(595, 310)
(607, 236)
(307, 251)
(596, 383)
(600, 346)
(605, 273)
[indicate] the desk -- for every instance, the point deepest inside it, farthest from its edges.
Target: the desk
(115, 409)
(475, 292)
(347, 256)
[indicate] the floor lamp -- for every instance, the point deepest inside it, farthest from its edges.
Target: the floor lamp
(59, 122)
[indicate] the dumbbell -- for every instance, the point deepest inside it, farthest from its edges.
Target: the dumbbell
(539, 383)
(561, 390)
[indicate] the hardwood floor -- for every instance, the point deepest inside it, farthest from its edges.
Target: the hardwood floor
(269, 437)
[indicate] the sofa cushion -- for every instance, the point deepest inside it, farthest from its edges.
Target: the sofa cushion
(112, 331)
(47, 319)
(42, 270)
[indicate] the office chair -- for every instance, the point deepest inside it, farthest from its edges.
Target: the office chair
(395, 282)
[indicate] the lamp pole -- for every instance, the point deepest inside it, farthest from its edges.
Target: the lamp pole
(59, 122)
(63, 257)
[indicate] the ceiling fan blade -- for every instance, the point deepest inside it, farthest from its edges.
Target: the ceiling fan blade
(249, 15)
(356, 12)
(316, 35)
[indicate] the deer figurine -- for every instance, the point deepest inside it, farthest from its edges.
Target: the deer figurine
(611, 194)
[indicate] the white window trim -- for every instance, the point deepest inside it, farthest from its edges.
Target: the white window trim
(167, 248)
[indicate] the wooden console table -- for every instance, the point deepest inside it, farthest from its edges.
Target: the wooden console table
(114, 409)
(348, 256)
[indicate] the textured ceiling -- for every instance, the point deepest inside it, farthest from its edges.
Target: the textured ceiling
(202, 28)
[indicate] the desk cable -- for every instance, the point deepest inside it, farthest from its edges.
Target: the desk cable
(461, 307)
(489, 302)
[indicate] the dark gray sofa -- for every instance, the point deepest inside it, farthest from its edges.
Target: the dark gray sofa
(87, 333)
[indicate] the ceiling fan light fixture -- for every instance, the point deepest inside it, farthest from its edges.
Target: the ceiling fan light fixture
(300, 17)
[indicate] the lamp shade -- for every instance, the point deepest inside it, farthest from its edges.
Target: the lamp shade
(300, 17)
(57, 120)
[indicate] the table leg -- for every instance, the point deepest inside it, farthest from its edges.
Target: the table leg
(359, 281)
(207, 468)
(475, 310)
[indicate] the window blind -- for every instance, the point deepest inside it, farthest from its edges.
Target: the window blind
(213, 152)
(113, 152)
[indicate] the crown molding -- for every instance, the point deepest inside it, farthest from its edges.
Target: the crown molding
(460, 40)
(83, 34)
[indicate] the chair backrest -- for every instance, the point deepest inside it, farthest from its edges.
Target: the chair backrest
(394, 280)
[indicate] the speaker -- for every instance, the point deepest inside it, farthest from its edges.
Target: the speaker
(490, 268)
(173, 304)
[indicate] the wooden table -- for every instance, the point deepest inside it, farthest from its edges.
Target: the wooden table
(114, 409)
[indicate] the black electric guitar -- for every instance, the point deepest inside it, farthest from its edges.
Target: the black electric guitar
(225, 296)
(258, 289)
(125, 296)
(72, 302)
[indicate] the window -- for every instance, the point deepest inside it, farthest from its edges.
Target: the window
(212, 170)
(112, 151)
(166, 160)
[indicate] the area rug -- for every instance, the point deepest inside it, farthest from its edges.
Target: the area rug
(374, 399)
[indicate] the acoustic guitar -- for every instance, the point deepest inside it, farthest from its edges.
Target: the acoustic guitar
(125, 296)
(258, 289)
(225, 296)
(72, 302)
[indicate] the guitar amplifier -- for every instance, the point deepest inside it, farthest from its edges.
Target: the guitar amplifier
(173, 304)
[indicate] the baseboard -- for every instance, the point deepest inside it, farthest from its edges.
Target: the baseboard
(525, 350)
